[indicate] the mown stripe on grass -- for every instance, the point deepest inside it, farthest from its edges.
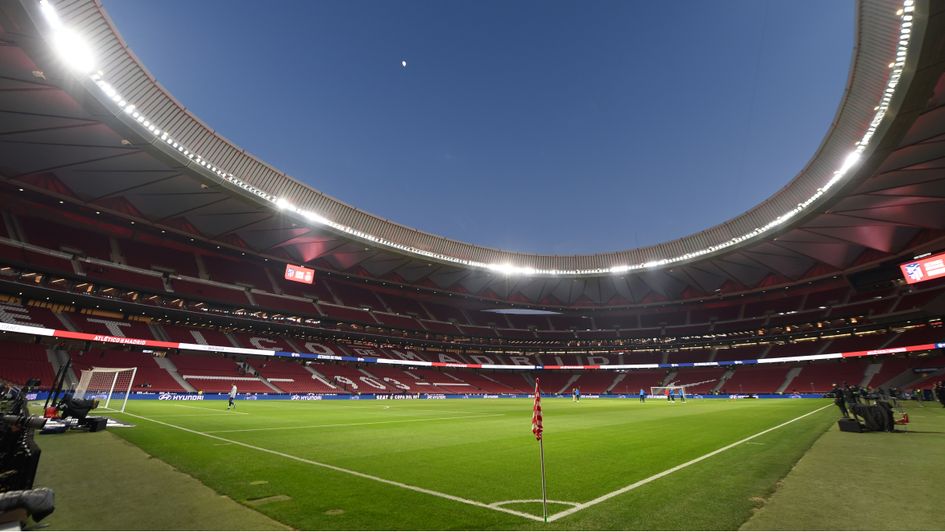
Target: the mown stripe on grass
(328, 425)
(343, 470)
(672, 470)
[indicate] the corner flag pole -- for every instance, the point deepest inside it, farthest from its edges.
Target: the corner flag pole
(537, 430)
(544, 496)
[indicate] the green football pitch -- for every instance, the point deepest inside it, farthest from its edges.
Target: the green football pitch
(474, 464)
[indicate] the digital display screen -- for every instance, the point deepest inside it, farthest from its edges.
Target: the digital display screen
(924, 269)
(299, 274)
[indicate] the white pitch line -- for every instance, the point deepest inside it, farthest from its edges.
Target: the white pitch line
(635, 485)
(517, 501)
(210, 414)
(209, 409)
(347, 471)
(296, 427)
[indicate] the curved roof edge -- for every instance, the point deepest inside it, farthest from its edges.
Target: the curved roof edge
(880, 64)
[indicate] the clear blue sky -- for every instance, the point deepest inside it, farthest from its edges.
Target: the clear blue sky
(540, 126)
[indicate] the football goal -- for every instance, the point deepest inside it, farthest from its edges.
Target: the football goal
(664, 391)
(678, 390)
(110, 386)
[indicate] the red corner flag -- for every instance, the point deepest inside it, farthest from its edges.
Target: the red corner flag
(536, 413)
(537, 430)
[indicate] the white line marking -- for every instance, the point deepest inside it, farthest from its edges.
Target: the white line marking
(228, 412)
(347, 471)
(671, 470)
(296, 427)
(503, 503)
(222, 414)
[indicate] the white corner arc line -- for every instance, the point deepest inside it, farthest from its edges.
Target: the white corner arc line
(637, 484)
(329, 425)
(516, 501)
(346, 471)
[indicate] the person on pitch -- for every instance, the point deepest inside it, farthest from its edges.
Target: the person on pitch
(839, 400)
(576, 394)
(642, 395)
(232, 403)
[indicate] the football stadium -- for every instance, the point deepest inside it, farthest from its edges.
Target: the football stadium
(193, 337)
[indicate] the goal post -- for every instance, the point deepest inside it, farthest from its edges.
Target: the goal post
(662, 391)
(679, 390)
(106, 385)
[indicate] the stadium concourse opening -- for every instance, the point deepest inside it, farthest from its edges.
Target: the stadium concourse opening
(263, 356)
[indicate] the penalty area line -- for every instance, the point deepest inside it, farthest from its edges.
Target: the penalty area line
(637, 484)
(351, 472)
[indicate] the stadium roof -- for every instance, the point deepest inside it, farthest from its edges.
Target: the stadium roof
(97, 130)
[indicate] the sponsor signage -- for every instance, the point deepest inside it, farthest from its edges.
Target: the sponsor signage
(925, 269)
(299, 274)
(180, 397)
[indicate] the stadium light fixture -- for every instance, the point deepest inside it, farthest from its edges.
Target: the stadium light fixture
(71, 48)
(78, 55)
(283, 204)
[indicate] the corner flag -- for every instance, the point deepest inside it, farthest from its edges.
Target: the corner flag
(537, 430)
(536, 413)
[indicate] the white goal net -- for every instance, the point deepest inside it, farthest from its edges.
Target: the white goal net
(110, 386)
(679, 391)
(667, 391)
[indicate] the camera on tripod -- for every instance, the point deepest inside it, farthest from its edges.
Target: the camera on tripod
(19, 458)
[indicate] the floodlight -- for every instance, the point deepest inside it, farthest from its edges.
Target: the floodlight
(73, 50)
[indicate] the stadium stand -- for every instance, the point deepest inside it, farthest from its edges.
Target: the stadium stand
(511, 380)
(356, 296)
(203, 291)
(403, 305)
(122, 277)
(397, 321)
(195, 335)
(231, 271)
(819, 377)
(758, 379)
(347, 314)
(893, 367)
(20, 362)
(65, 237)
(288, 305)
(595, 382)
(110, 325)
(149, 377)
(691, 355)
(257, 341)
(397, 313)
(290, 376)
(212, 373)
(635, 380)
(479, 382)
(698, 377)
(149, 256)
